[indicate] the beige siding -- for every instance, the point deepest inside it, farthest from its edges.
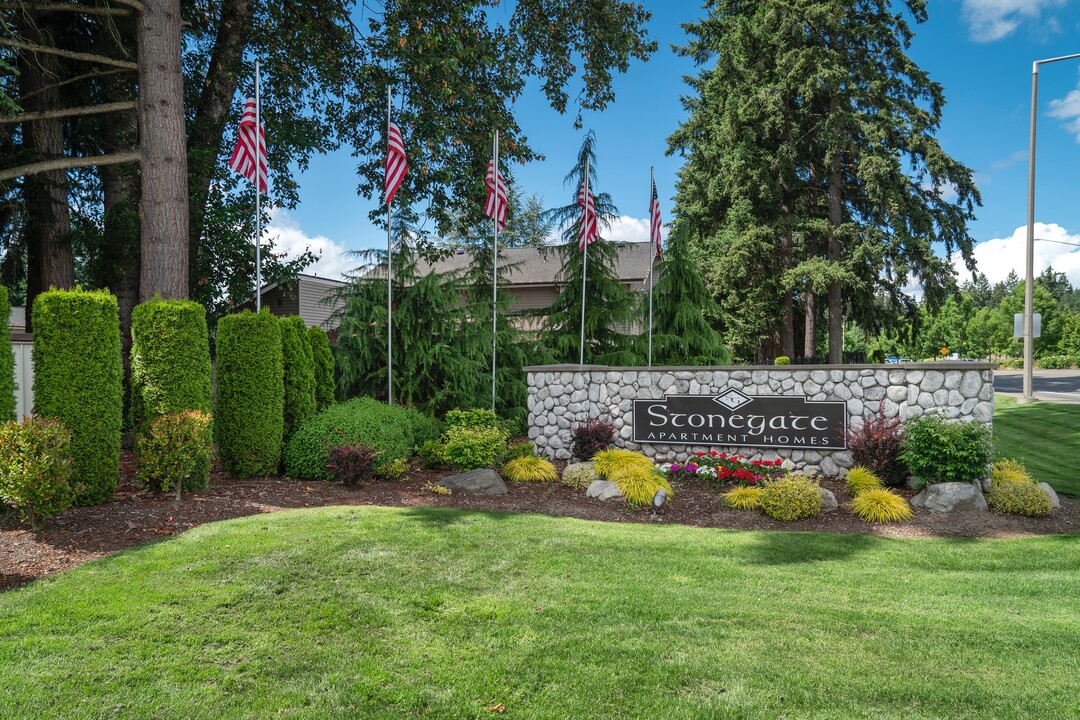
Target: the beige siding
(24, 379)
(313, 293)
(531, 298)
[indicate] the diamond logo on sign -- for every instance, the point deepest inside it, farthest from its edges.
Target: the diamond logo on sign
(732, 399)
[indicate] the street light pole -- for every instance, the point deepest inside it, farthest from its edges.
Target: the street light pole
(1029, 274)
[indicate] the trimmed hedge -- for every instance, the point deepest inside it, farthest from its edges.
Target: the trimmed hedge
(395, 432)
(170, 360)
(77, 380)
(249, 404)
(7, 362)
(299, 369)
(324, 367)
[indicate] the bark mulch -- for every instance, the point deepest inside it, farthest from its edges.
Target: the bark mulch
(137, 515)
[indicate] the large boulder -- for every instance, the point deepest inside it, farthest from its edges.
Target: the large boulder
(828, 500)
(484, 481)
(1053, 495)
(605, 490)
(951, 497)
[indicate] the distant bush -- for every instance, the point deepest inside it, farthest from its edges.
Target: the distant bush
(877, 445)
(396, 469)
(782, 360)
(939, 450)
(861, 479)
(77, 380)
(1056, 362)
(530, 468)
(170, 360)
(591, 437)
(880, 505)
(35, 468)
(1019, 498)
(324, 367)
(744, 497)
(469, 448)
(298, 368)
(791, 498)
(430, 455)
(249, 403)
(394, 431)
(579, 475)
(351, 463)
(176, 452)
(7, 362)
(1011, 364)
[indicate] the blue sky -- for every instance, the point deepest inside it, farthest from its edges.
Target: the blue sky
(981, 51)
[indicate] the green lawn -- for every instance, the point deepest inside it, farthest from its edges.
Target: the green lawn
(438, 613)
(1046, 436)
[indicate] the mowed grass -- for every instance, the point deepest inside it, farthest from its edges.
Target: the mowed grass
(440, 613)
(1045, 436)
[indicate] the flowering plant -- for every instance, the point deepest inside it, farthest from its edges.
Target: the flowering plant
(723, 467)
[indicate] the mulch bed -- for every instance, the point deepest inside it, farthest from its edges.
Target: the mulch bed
(137, 515)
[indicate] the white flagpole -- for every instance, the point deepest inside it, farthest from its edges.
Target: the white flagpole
(258, 192)
(585, 258)
(495, 273)
(652, 258)
(389, 281)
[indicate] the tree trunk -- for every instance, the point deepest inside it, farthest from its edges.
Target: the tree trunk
(810, 334)
(834, 253)
(164, 205)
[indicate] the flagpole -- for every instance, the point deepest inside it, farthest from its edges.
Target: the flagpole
(652, 255)
(495, 273)
(258, 192)
(389, 283)
(585, 259)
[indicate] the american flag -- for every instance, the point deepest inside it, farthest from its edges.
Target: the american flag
(245, 156)
(589, 230)
(495, 207)
(396, 162)
(654, 219)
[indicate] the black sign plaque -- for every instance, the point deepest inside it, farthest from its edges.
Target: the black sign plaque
(733, 418)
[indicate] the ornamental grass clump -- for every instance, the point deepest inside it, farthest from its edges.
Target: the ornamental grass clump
(881, 505)
(640, 485)
(617, 461)
(860, 479)
(1019, 498)
(530, 469)
(791, 498)
(744, 497)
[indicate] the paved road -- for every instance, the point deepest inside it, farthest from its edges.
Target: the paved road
(1061, 386)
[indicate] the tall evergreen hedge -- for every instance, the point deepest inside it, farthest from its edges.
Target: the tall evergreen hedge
(324, 367)
(249, 401)
(77, 380)
(299, 367)
(170, 360)
(7, 361)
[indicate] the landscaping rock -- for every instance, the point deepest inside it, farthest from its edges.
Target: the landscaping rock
(484, 481)
(605, 490)
(828, 500)
(951, 497)
(1053, 495)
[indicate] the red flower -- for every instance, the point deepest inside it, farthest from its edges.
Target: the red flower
(713, 453)
(699, 453)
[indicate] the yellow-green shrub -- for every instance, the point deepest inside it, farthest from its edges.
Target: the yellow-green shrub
(530, 469)
(615, 461)
(468, 448)
(176, 452)
(579, 475)
(880, 505)
(744, 497)
(860, 479)
(640, 485)
(1019, 498)
(1009, 471)
(791, 498)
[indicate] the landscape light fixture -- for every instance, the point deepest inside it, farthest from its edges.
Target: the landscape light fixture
(658, 501)
(1029, 275)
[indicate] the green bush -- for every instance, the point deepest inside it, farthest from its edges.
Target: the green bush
(298, 365)
(249, 403)
(1011, 364)
(468, 448)
(430, 455)
(516, 450)
(939, 450)
(1019, 498)
(782, 360)
(324, 367)
(170, 360)
(7, 362)
(1056, 362)
(394, 431)
(580, 475)
(77, 380)
(176, 452)
(473, 418)
(791, 498)
(35, 468)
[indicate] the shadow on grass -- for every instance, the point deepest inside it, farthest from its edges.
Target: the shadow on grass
(445, 517)
(788, 548)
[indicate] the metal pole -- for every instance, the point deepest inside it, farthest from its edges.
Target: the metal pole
(652, 257)
(389, 282)
(495, 273)
(1029, 274)
(258, 192)
(585, 259)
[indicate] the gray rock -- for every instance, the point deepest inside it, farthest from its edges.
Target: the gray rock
(971, 384)
(983, 412)
(828, 500)
(484, 481)
(951, 497)
(604, 490)
(932, 381)
(1053, 495)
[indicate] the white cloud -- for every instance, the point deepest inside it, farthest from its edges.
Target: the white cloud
(990, 20)
(289, 238)
(630, 229)
(996, 257)
(1068, 109)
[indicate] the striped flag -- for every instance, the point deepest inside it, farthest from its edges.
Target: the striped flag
(495, 207)
(589, 230)
(396, 162)
(654, 220)
(246, 156)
